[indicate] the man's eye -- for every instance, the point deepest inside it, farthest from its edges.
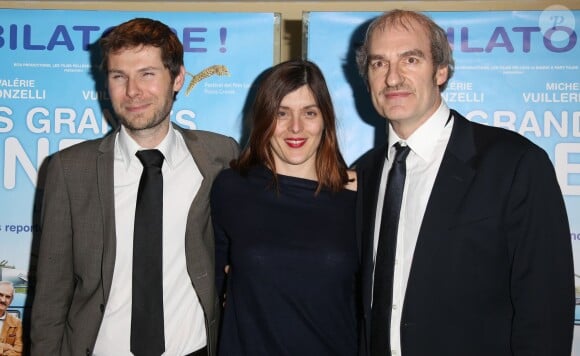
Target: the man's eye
(378, 64)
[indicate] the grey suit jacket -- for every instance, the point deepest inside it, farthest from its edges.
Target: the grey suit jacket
(78, 242)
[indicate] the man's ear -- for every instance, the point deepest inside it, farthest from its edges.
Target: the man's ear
(441, 75)
(179, 79)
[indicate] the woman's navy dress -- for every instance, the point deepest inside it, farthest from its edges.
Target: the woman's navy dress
(293, 258)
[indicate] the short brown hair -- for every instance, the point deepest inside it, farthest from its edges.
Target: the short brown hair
(144, 32)
(441, 53)
(276, 83)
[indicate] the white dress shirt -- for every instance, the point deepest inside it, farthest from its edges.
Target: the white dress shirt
(427, 145)
(183, 315)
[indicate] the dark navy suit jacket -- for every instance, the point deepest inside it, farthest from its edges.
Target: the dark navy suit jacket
(492, 272)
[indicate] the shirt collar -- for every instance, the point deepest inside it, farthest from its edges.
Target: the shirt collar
(172, 151)
(422, 142)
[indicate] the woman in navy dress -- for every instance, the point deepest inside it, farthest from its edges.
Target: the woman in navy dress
(284, 220)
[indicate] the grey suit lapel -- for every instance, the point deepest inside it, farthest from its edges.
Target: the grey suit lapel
(106, 186)
(201, 158)
(198, 233)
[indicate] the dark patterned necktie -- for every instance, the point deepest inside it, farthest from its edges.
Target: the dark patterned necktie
(383, 279)
(147, 328)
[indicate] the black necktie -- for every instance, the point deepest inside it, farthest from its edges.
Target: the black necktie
(147, 329)
(383, 280)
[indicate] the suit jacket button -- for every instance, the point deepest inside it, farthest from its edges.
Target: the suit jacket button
(88, 352)
(102, 307)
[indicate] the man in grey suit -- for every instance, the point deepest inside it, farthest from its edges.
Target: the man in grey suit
(83, 293)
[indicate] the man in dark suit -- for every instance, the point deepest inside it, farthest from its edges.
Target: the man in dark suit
(83, 300)
(480, 260)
